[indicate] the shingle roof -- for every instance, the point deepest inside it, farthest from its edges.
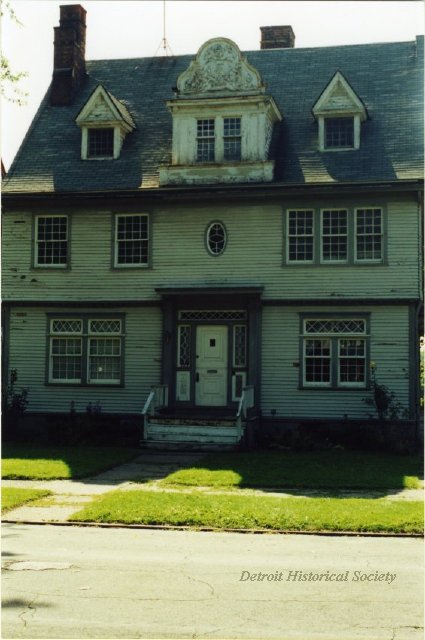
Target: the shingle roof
(387, 77)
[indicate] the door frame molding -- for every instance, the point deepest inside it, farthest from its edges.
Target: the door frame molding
(210, 299)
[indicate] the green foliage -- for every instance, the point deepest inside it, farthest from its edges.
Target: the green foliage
(9, 79)
(314, 470)
(254, 512)
(12, 497)
(384, 401)
(14, 403)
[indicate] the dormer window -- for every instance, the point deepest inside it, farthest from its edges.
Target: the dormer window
(222, 120)
(339, 133)
(104, 123)
(219, 140)
(339, 112)
(100, 143)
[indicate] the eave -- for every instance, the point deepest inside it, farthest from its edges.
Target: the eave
(246, 191)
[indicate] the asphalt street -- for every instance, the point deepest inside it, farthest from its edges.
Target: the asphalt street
(76, 582)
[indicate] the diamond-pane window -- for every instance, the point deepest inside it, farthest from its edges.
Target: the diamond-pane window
(85, 350)
(212, 315)
(331, 359)
(184, 346)
(239, 345)
(132, 240)
(51, 241)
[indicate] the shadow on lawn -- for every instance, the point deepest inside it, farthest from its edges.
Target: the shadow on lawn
(336, 473)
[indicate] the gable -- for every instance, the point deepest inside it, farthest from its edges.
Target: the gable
(339, 98)
(101, 108)
(219, 68)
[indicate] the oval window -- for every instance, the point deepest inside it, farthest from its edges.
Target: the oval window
(216, 238)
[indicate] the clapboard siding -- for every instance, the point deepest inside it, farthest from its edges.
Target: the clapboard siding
(280, 348)
(142, 362)
(179, 256)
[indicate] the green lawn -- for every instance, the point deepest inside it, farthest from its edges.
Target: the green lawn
(48, 463)
(335, 469)
(11, 497)
(249, 512)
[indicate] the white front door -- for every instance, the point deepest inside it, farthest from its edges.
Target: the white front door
(211, 366)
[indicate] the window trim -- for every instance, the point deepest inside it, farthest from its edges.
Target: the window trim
(351, 237)
(380, 260)
(114, 225)
(85, 335)
(219, 138)
(322, 132)
(334, 383)
(34, 260)
(85, 142)
(347, 235)
(206, 238)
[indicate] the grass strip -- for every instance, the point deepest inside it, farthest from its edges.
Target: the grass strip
(319, 469)
(12, 497)
(33, 462)
(253, 512)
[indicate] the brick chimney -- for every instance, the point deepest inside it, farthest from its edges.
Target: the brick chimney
(277, 37)
(69, 65)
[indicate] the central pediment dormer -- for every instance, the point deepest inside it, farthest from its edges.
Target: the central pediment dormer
(222, 120)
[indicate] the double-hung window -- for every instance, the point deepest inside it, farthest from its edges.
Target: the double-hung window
(334, 236)
(334, 352)
(219, 139)
(85, 350)
(334, 244)
(300, 236)
(131, 240)
(368, 235)
(51, 241)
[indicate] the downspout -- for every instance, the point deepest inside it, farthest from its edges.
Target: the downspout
(418, 326)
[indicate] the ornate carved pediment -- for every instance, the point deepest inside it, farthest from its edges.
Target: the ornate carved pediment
(219, 68)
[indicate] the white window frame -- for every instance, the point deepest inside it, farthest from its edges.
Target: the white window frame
(289, 236)
(335, 338)
(322, 132)
(381, 235)
(86, 335)
(323, 260)
(131, 265)
(85, 142)
(219, 138)
(37, 243)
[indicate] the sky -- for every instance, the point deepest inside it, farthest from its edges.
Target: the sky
(135, 28)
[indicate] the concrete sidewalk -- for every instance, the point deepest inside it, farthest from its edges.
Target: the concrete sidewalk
(144, 473)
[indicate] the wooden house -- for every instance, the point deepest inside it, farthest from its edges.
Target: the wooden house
(218, 239)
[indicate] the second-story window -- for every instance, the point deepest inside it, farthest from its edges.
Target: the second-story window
(300, 236)
(51, 241)
(369, 235)
(334, 235)
(131, 240)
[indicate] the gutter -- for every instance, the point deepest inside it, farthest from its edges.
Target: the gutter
(220, 191)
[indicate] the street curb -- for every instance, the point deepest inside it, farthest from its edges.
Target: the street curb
(160, 527)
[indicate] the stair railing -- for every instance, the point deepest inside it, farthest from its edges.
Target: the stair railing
(157, 399)
(246, 402)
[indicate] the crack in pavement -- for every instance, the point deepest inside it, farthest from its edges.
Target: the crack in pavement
(29, 608)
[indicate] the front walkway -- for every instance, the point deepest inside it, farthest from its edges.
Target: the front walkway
(144, 473)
